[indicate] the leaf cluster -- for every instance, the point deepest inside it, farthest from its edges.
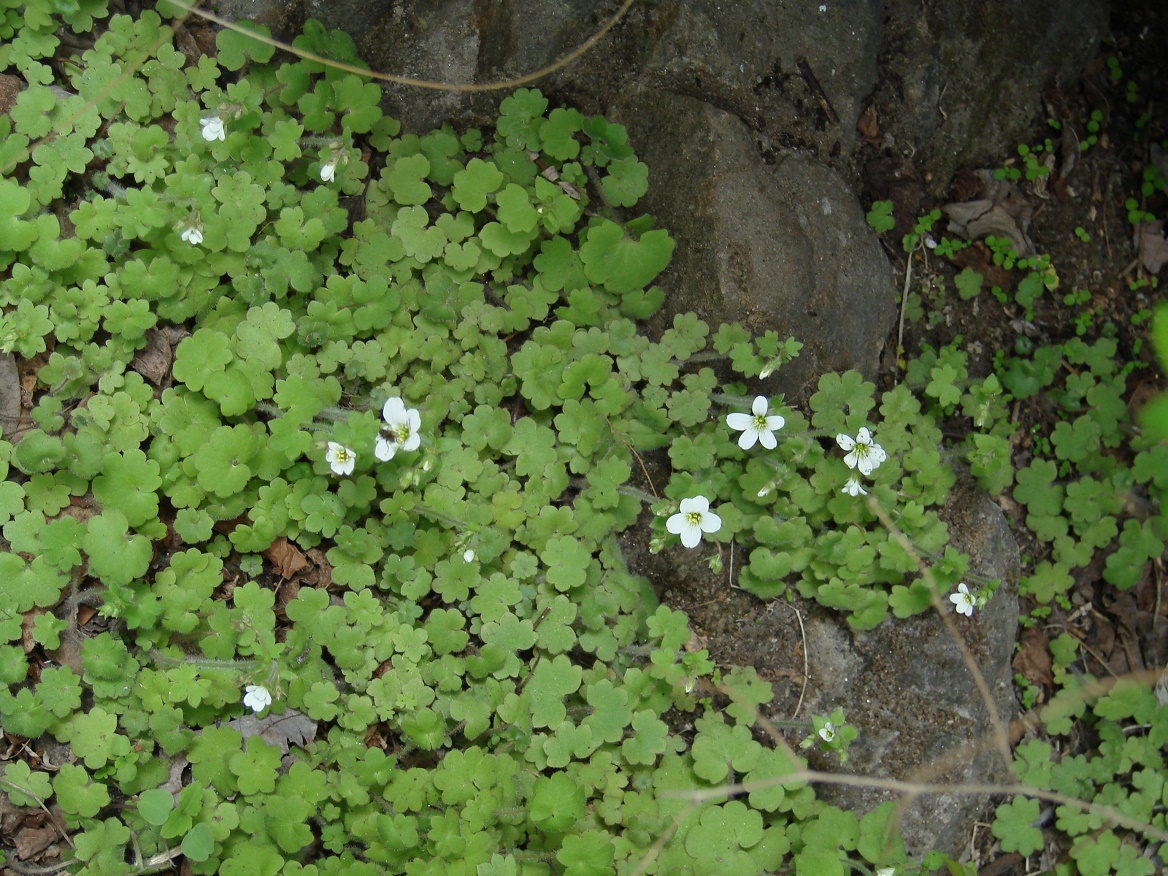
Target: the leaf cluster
(474, 612)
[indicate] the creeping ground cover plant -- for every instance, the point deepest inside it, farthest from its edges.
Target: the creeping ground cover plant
(272, 335)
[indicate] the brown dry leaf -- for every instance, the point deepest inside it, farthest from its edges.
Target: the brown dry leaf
(979, 258)
(26, 625)
(1004, 211)
(321, 574)
(1155, 247)
(869, 126)
(28, 382)
(289, 728)
(1033, 658)
(286, 558)
(286, 591)
(30, 840)
(153, 362)
(184, 41)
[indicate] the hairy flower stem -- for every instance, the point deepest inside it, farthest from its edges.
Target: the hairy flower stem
(521, 855)
(698, 358)
(202, 662)
(975, 577)
(647, 498)
(625, 489)
(732, 400)
(321, 141)
(435, 514)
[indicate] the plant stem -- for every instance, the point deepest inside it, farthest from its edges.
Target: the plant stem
(444, 518)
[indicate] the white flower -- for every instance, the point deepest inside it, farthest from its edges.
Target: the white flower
(340, 458)
(963, 600)
(757, 425)
(213, 128)
(256, 697)
(862, 452)
(854, 488)
(827, 732)
(886, 871)
(193, 235)
(692, 520)
(400, 431)
(468, 555)
(329, 171)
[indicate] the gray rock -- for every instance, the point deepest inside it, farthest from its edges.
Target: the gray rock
(905, 686)
(962, 82)
(9, 396)
(783, 247)
(796, 73)
(955, 83)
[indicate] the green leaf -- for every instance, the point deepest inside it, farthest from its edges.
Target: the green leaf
(25, 787)
(1014, 826)
(621, 263)
(842, 402)
(556, 803)
(880, 217)
(557, 133)
(567, 561)
(515, 210)
(880, 842)
(155, 806)
(648, 739)
(473, 184)
(199, 843)
(626, 182)
(76, 795)
(95, 739)
(129, 482)
(719, 747)
(588, 854)
(115, 556)
(1046, 582)
(1035, 488)
(236, 49)
(359, 99)
(968, 283)
(814, 862)
(551, 682)
(520, 118)
(406, 180)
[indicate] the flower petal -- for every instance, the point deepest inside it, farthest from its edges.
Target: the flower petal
(739, 421)
(747, 438)
(759, 408)
(384, 450)
(392, 410)
(711, 522)
(845, 442)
